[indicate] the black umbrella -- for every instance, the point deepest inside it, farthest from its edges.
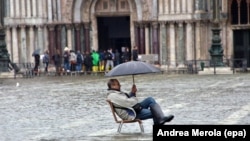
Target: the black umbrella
(36, 52)
(133, 68)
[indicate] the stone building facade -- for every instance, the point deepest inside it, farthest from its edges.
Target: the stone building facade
(177, 30)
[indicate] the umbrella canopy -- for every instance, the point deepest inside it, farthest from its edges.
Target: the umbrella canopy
(133, 68)
(37, 51)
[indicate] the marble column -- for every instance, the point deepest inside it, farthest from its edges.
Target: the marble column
(40, 8)
(15, 45)
(190, 8)
(172, 46)
(40, 37)
(78, 38)
(142, 39)
(166, 6)
(59, 10)
(8, 42)
(87, 38)
(31, 43)
(28, 8)
(163, 46)
(23, 8)
(54, 10)
(69, 33)
(23, 49)
(52, 40)
(224, 39)
(161, 7)
(198, 41)
(147, 40)
(49, 10)
(12, 8)
(180, 47)
(137, 36)
(45, 10)
(189, 42)
(172, 6)
(34, 8)
(58, 38)
(178, 6)
(46, 37)
(155, 38)
(184, 6)
(17, 8)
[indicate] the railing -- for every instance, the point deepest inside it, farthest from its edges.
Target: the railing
(24, 69)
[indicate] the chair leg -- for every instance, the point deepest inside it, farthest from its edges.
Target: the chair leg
(120, 127)
(141, 126)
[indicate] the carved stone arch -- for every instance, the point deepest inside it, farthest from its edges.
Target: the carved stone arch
(68, 12)
(77, 14)
(145, 10)
(86, 9)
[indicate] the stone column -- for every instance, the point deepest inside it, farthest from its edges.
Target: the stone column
(172, 6)
(225, 5)
(198, 41)
(224, 39)
(178, 6)
(34, 8)
(142, 39)
(8, 42)
(137, 36)
(15, 45)
(40, 8)
(49, 10)
(160, 5)
(44, 10)
(59, 10)
(54, 9)
(87, 38)
(40, 37)
(17, 9)
(163, 46)
(184, 6)
(52, 40)
(69, 39)
(58, 38)
(23, 8)
(147, 37)
(189, 42)
(166, 6)
(78, 38)
(23, 49)
(180, 47)
(155, 38)
(31, 43)
(12, 8)
(190, 8)
(46, 37)
(172, 46)
(28, 8)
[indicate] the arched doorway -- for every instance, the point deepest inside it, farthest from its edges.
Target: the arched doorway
(113, 32)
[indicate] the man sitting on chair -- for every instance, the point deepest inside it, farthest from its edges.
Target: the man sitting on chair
(146, 109)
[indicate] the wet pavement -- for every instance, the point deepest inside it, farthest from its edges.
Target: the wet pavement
(73, 108)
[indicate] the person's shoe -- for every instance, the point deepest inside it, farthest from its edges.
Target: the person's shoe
(166, 119)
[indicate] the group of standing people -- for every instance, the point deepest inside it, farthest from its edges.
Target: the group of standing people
(103, 60)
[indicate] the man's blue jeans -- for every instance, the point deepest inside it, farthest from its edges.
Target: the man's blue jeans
(145, 112)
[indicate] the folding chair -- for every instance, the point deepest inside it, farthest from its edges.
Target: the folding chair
(121, 121)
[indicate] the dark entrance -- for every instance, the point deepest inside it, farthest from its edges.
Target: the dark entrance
(242, 48)
(113, 32)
